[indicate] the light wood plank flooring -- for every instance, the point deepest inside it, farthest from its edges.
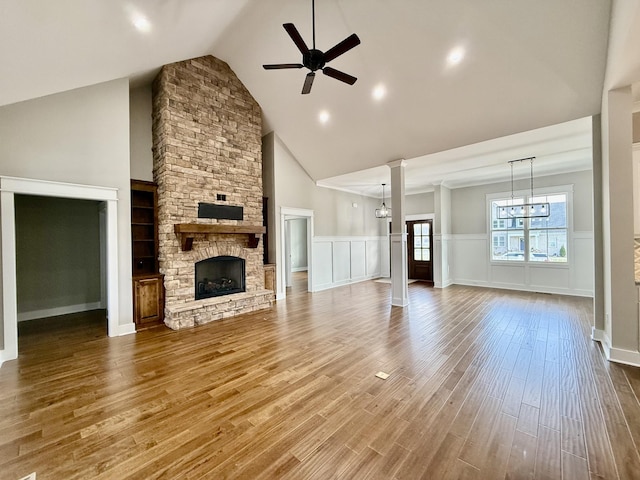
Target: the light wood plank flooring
(484, 384)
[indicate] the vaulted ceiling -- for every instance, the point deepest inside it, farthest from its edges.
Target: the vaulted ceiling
(526, 65)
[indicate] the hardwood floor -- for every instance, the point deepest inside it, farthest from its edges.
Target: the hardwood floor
(484, 384)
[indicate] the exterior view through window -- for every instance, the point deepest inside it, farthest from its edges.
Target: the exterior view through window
(541, 239)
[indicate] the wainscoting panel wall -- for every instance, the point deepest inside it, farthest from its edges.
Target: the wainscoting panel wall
(322, 264)
(470, 259)
(374, 256)
(343, 260)
(358, 260)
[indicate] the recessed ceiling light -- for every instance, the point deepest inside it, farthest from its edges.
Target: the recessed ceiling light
(379, 92)
(455, 56)
(323, 116)
(141, 23)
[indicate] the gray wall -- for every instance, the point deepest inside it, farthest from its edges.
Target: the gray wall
(298, 232)
(57, 252)
(469, 210)
(336, 215)
(288, 185)
(418, 203)
(334, 211)
(80, 136)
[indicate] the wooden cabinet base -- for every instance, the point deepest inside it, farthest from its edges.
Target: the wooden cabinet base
(148, 300)
(270, 276)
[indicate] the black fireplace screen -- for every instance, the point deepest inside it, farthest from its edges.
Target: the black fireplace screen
(217, 276)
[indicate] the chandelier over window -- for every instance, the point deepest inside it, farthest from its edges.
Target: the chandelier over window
(383, 211)
(525, 210)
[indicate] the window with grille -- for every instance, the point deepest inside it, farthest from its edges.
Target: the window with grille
(542, 239)
(422, 242)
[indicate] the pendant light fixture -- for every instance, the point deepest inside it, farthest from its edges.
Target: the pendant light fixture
(383, 211)
(525, 210)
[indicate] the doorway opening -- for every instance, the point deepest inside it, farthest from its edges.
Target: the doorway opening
(420, 248)
(106, 198)
(59, 247)
(420, 253)
(296, 252)
(296, 234)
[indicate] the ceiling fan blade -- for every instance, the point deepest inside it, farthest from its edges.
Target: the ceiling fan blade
(296, 37)
(342, 47)
(338, 75)
(308, 81)
(278, 66)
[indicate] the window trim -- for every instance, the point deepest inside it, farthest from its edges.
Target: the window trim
(538, 191)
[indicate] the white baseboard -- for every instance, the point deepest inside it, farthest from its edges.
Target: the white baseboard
(446, 284)
(598, 335)
(627, 357)
(2, 357)
(616, 355)
(299, 269)
(54, 312)
(522, 288)
(126, 329)
(341, 283)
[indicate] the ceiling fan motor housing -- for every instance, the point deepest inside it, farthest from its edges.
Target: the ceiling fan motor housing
(313, 59)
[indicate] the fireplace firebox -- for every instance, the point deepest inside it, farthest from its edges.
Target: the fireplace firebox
(218, 276)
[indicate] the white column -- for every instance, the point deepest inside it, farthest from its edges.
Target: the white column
(621, 332)
(399, 270)
(9, 295)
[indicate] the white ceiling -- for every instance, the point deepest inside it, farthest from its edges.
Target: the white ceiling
(557, 149)
(528, 64)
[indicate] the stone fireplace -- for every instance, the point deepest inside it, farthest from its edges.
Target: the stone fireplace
(207, 151)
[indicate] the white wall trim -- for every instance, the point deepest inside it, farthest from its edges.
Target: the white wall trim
(520, 288)
(399, 283)
(617, 355)
(597, 335)
(419, 216)
(299, 269)
(472, 266)
(54, 312)
(343, 260)
(344, 238)
(9, 186)
(29, 186)
(329, 286)
(126, 329)
(285, 214)
(9, 284)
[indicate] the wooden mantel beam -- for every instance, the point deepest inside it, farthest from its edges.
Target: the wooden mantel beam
(187, 231)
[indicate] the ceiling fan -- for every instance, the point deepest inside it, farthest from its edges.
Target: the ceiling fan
(314, 59)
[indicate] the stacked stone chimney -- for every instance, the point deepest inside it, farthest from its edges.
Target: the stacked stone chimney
(206, 142)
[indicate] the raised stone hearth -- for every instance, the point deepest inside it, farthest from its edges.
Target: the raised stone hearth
(206, 142)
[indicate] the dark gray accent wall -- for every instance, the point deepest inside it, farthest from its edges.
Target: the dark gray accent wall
(57, 252)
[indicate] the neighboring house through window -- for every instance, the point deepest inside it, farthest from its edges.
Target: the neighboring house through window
(543, 239)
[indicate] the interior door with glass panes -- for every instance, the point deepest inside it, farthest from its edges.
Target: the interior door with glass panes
(419, 242)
